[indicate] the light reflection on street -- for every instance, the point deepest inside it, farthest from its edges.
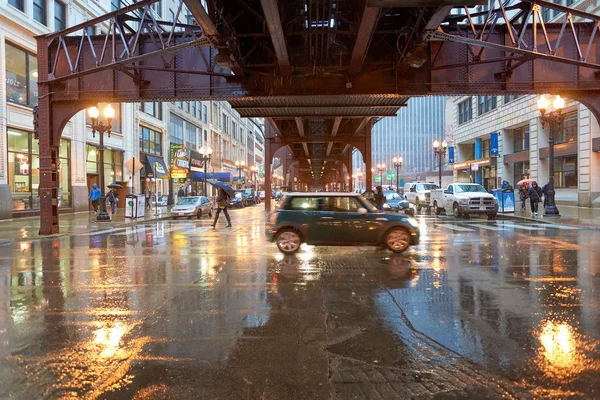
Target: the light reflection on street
(108, 339)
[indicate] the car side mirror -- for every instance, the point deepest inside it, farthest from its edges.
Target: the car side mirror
(362, 211)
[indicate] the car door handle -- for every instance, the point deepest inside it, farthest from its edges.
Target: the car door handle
(382, 219)
(326, 217)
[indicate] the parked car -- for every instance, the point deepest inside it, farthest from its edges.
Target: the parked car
(419, 194)
(277, 194)
(337, 219)
(261, 195)
(238, 200)
(250, 196)
(193, 206)
(394, 202)
(464, 199)
(162, 201)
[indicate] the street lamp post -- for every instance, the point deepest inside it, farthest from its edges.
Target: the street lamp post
(254, 173)
(239, 165)
(381, 168)
(440, 150)
(101, 128)
(398, 164)
(359, 175)
(555, 120)
(206, 153)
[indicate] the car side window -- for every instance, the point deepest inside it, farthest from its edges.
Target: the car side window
(340, 204)
(305, 203)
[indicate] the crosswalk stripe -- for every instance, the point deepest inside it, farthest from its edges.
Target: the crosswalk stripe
(524, 227)
(487, 227)
(564, 227)
(456, 228)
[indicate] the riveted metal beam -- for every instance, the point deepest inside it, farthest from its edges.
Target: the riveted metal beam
(271, 11)
(368, 23)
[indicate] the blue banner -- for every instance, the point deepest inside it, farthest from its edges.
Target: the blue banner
(494, 144)
(451, 155)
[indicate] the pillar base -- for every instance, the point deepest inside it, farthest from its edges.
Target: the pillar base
(551, 210)
(79, 199)
(102, 216)
(5, 202)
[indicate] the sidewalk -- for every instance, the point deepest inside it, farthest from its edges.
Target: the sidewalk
(82, 222)
(569, 215)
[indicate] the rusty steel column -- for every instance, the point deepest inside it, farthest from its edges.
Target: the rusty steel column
(267, 169)
(368, 155)
(349, 168)
(49, 140)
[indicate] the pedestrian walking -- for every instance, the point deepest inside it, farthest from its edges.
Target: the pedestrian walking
(111, 197)
(95, 196)
(523, 195)
(222, 203)
(534, 194)
(180, 193)
(379, 198)
(148, 198)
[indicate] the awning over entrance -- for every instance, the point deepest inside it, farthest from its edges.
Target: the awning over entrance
(158, 167)
(220, 176)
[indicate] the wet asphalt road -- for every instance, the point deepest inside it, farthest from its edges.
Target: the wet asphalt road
(175, 309)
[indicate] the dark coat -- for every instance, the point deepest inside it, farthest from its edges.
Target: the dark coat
(534, 193)
(379, 198)
(181, 193)
(222, 199)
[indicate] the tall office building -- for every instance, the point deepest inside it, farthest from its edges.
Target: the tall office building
(410, 135)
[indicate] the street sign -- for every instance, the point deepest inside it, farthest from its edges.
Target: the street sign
(391, 175)
(377, 178)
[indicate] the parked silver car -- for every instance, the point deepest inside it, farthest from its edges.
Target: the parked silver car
(194, 206)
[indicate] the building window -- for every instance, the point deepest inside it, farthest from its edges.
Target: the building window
(485, 148)
(90, 30)
(568, 134)
(205, 114)
(152, 109)
(520, 139)
(60, 16)
(18, 4)
(465, 111)
(486, 104)
(150, 141)
(171, 16)
(190, 136)
(39, 11)
(115, 5)
(521, 171)
(176, 130)
(510, 97)
(565, 172)
(187, 106)
(21, 76)
(157, 7)
(194, 108)
(24, 171)
(234, 130)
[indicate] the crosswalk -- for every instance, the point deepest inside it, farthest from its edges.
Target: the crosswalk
(500, 226)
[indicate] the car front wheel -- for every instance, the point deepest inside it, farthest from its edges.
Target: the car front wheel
(199, 215)
(397, 240)
(288, 241)
(456, 210)
(436, 209)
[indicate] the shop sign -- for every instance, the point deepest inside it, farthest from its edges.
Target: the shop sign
(451, 155)
(196, 163)
(470, 164)
(494, 144)
(180, 161)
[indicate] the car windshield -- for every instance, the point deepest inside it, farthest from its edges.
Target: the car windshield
(247, 191)
(238, 195)
(427, 186)
(188, 201)
(392, 196)
(470, 188)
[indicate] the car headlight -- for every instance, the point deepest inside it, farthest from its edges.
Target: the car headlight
(386, 205)
(413, 222)
(421, 196)
(495, 200)
(463, 201)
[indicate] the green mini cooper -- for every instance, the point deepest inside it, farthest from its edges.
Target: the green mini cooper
(337, 219)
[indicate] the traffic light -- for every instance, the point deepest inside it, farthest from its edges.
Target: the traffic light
(36, 123)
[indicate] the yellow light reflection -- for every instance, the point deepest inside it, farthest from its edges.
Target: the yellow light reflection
(108, 339)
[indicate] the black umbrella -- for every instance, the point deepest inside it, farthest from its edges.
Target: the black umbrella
(115, 186)
(228, 189)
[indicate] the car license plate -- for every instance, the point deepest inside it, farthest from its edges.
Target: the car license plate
(482, 208)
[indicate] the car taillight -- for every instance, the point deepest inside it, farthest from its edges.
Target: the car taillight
(273, 217)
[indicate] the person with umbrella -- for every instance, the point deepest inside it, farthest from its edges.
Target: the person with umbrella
(112, 196)
(222, 202)
(534, 194)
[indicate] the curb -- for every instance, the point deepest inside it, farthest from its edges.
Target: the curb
(542, 221)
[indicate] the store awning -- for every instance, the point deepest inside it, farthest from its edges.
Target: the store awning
(220, 176)
(159, 168)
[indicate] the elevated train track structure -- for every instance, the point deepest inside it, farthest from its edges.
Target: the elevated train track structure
(319, 71)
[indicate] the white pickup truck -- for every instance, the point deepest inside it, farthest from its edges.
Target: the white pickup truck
(464, 199)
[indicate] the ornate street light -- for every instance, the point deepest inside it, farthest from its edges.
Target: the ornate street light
(101, 127)
(239, 165)
(555, 120)
(398, 164)
(440, 150)
(206, 154)
(381, 168)
(254, 173)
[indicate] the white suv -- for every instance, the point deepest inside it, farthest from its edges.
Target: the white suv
(419, 194)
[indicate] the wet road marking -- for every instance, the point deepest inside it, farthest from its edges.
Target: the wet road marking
(456, 228)
(102, 232)
(558, 226)
(525, 227)
(488, 227)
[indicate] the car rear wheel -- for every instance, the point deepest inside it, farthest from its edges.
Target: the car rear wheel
(288, 241)
(397, 240)
(418, 205)
(436, 209)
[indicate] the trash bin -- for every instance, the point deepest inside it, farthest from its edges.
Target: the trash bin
(506, 200)
(135, 205)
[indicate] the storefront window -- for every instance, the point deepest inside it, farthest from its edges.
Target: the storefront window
(485, 146)
(568, 133)
(565, 172)
(92, 159)
(24, 174)
(21, 76)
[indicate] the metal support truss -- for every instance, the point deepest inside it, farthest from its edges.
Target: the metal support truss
(528, 23)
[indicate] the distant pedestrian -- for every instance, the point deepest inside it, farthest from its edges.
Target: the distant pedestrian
(148, 198)
(534, 194)
(379, 198)
(111, 197)
(523, 195)
(95, 196)
(222, 203)
(506, 186)
(180, 193)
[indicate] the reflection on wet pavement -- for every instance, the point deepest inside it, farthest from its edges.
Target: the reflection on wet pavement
(177, 309)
